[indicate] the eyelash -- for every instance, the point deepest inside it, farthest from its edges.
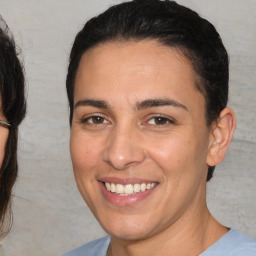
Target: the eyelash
(167, 121)
(90, 121)
(99, 117)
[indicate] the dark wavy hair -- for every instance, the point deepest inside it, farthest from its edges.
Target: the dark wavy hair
(12, 87)
(172, 25)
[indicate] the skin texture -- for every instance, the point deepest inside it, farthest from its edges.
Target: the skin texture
(4, 132)
(117, 134)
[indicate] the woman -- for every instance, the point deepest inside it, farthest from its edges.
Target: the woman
(12, 112)
(148, 87)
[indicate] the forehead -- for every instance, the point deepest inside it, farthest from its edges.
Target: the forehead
(129, 68)
(132, 55)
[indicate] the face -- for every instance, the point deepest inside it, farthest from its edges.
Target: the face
(139, 140)
(4, 132)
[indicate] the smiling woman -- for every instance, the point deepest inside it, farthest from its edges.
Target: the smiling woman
(148, 88)
(12, 112)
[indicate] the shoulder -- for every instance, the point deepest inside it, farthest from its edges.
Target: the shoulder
(94, 248)
(243, 245)
(233, 243)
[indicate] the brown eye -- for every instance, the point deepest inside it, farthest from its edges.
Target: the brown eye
(97, 119)
(94, 120)
(159, 120)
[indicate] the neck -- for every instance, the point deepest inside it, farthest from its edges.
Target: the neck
(188, 236)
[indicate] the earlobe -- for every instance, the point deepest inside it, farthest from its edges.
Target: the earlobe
(221, 136)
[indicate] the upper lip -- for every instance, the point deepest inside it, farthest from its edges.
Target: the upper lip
(125, 181)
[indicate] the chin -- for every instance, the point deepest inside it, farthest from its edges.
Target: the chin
(127, 235)
(129, 229)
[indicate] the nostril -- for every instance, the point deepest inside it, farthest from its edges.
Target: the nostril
(123, 149)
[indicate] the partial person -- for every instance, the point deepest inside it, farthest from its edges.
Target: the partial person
(12, 112)
(147, 85)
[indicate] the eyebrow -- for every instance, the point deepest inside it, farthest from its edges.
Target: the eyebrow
(92, 102)
(149, 103)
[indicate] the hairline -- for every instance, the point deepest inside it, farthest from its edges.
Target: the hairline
(183, 51)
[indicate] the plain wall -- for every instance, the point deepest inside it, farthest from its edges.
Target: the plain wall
(50, 217)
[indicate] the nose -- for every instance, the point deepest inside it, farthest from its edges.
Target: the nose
(123, 148)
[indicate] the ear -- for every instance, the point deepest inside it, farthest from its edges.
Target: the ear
(221, 134)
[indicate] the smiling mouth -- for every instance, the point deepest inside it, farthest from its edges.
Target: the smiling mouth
(128, 189)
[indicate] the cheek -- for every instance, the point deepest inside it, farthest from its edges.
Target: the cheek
(3, 140)
(179, 153)
(85, 156)
(1, 154)
(168, 150)
(84, 153)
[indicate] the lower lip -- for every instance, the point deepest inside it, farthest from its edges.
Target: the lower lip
(118, 200)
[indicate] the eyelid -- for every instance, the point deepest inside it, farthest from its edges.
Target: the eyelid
(85, 118)
(91, 117)
(152, 116)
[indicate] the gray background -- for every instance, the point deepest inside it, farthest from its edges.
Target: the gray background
(49, 214)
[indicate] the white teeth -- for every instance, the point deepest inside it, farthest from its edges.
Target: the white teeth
(136, 187)
(113, 188)
(119, 188)
(143, 187)
(108, 186)
(148, 186)
(129, 189)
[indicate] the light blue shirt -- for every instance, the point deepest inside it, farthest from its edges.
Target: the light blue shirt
(231, 244)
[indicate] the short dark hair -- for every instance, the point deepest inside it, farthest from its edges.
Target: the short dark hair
(14, 108)
(172, 25)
